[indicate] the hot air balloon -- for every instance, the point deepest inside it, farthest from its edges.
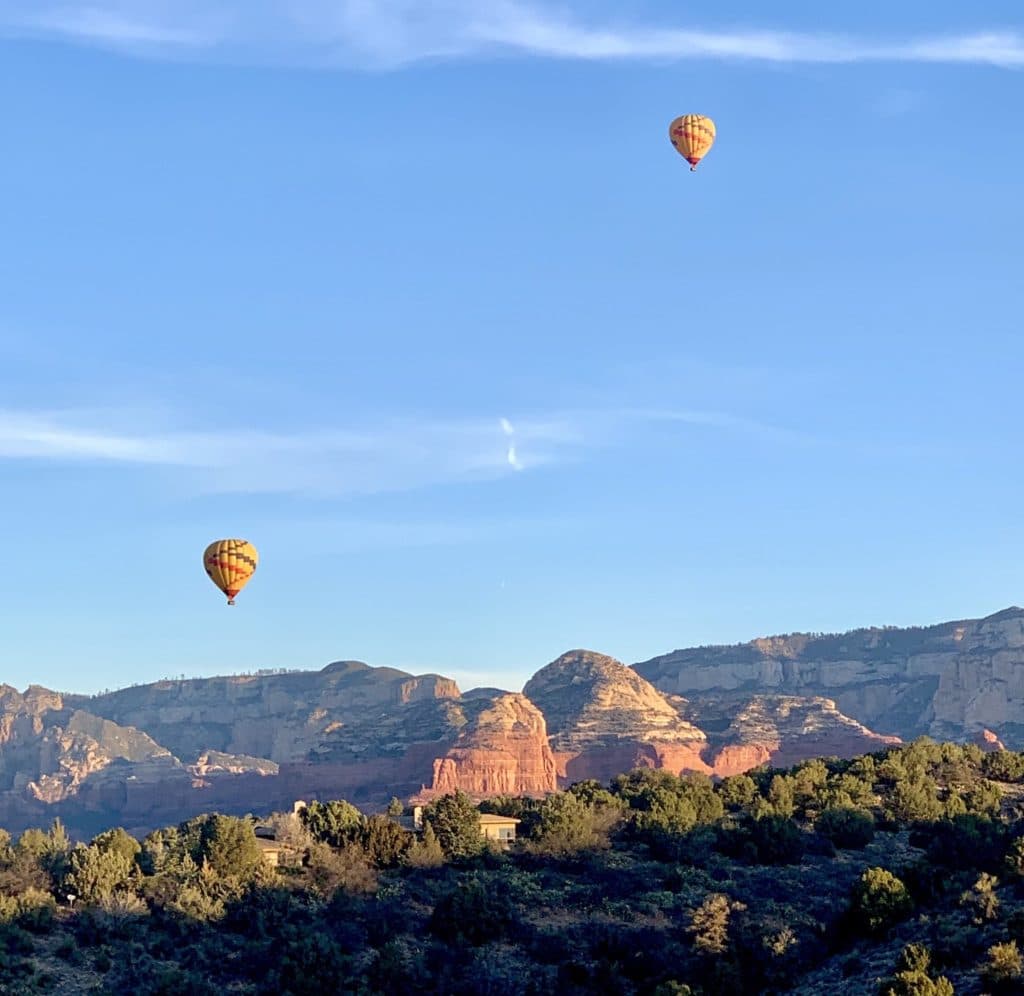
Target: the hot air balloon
(692, 135)
(230, 564)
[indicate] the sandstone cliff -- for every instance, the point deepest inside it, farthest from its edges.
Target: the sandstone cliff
(782, 730)
(949, 681)
(501, 750)
(147, 756)
(281, 717)
(603, 719)
(349, 731)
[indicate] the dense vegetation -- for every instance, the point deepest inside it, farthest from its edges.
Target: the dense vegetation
(896, 873)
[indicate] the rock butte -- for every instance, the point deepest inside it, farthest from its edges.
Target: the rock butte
(147, 756)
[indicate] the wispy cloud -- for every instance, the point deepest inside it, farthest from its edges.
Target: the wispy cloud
(393, 455)
(394, 33)
(511, 457)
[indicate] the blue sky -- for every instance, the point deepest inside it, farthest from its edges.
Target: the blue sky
(420, 300)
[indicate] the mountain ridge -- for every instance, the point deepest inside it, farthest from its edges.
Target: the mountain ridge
(151, 754)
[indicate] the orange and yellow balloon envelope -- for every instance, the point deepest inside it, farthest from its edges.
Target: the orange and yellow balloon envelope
(230, 564)
(692, 135)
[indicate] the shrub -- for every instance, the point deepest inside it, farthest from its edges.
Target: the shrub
(982, 900)
(847, 827)
(709, 923)
(471, 913)
(880, 900)
(425, 852)
(778, 841)
(1003, 968)
(36, 910)
(1003, 766)
(345, 869)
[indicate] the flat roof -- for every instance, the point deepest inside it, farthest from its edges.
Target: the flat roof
(495, 818)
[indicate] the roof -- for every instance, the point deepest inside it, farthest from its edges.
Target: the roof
(493, 818)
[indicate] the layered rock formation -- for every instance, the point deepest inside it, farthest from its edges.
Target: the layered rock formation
(281, 717)
(949, 681)
(782, 730)
(605, 719)
(148, 756)
(502, 750)
(348, 731)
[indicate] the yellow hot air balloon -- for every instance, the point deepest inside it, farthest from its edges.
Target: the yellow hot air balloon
(230, 564)
(692, 135)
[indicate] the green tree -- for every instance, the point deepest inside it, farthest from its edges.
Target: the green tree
(777, 840)
(569, 824)
(309, 964)
(593, 793)
(335, 823)
(230, 848)
(983, 798)
(395, 808)
(48, 849)
(914, 799)
(782, 796)
(880, 900)
(664, 803)
(473, 913)
(120, 842)
(384, 841)
(94, 874)
(809, 781)
(847, 827)
(456, 823)
(849, 791)
(737, 791)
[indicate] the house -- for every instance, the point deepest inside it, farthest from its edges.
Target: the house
(499, 828)
(271, 851)
(492, 827)
(276, 853)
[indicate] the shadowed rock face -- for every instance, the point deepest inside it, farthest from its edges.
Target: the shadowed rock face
(348, 731)
(949, 681)
(281, 717)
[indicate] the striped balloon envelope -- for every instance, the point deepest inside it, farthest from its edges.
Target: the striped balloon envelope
(692, 135)
(230, 563)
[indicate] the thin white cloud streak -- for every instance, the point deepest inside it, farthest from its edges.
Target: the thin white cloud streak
(511, 456)
(387, 456)
(390, 34)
